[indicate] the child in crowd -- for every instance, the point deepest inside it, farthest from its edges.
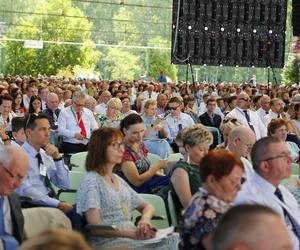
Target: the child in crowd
(17, 125)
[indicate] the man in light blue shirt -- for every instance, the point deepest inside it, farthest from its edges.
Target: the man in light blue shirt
(45, 165)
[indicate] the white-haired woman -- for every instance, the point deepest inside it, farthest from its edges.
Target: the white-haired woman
(113, 115)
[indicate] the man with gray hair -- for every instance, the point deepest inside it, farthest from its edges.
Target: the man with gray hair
(271, 161)
(13, 169)
(247, 227)
(264, 103)
(52, 110)
(276, 111)
(240, 141)
(75, 124)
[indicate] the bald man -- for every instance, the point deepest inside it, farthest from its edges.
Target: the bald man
(241, 141)
(248, 227)
(248, 117)
(13, 169)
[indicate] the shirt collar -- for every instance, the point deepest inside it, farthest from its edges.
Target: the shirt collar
(265, 185)
(29, 149)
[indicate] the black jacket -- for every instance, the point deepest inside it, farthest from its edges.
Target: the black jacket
(206, 121)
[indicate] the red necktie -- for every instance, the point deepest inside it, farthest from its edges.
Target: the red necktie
(81, 125)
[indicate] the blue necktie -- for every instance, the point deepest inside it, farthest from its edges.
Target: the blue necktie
(248, 120)
(9, 242)
(294, 223)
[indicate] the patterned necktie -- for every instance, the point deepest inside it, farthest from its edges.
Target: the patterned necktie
(81, 125)
(9, 241)
(248, 120)
(294, 223)
(46, 180)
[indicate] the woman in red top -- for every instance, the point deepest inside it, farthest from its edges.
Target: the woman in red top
(136, 168)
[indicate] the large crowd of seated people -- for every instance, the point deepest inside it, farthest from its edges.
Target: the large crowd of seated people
(225, 154)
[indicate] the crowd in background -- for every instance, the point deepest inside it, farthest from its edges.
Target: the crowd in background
(237, 143)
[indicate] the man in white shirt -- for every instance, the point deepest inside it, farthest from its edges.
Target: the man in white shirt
(75, 124)
(272, 163)
(30, 91)
(104, 97)
(241, 141)
(176, 120)
(248, 117)
(162, 101)
(264, 103)
(276, 111)
(149, 93)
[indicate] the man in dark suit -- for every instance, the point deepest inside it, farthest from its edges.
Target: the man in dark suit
(13, 169)
(52, 110)
(209, 118)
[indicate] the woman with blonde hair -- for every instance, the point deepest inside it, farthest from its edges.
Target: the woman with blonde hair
(225, 128)
(155, 131)
(185, 180)
(113, 115)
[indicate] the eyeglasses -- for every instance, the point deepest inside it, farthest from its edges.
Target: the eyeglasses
(173, 108)
(249, 146)
(286, 156)
(78, 105)
(237, 184)
(13, 176)
(118, 145)
(233, 120)
(245, 99)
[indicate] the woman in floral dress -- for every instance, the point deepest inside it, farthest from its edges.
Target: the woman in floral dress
(221, 174)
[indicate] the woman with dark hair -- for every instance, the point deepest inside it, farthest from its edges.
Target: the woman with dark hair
(18, 104)
(294, 124)
(136, 167)
(35, 105)
(106, 199)
(221, 174)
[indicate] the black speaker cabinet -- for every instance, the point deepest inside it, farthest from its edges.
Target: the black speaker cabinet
(241, 33)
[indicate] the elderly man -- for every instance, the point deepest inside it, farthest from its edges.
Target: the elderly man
(276, 106)
(248, 227)
(241, 141)
(271, 161)
(75, 124)
(13, 169)
(264, 103)
(52, 110)
(248, 117)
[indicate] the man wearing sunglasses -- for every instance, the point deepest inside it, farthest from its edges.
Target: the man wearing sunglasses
(248, 117)
(176, 120)
(272, 163)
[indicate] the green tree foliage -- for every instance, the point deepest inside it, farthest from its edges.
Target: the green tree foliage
(160, 60)
(51, 24)
(122, 64)
(291, 72)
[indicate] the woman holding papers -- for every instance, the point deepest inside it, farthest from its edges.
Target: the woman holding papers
(106, 199)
